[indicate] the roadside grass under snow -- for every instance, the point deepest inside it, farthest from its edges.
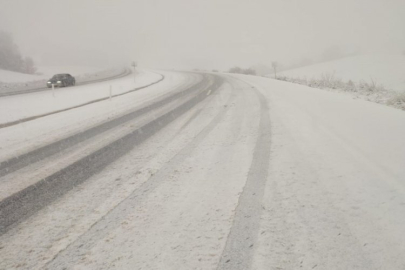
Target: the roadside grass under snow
(376, 78)
(383, 69)
(368, 91)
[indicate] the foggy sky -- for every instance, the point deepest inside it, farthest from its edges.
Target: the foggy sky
(209, 34)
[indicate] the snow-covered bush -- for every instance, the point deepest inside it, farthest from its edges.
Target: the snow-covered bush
(397, 101)
(371, 91)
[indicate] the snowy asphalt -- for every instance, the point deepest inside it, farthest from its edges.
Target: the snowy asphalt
(28, 201)
(240, 172)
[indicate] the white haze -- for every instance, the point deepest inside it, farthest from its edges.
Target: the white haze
(208, 34)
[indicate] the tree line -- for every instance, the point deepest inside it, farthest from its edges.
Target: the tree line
(248, 71)
(11, 58)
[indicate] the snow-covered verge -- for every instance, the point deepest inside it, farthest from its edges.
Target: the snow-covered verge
(335, 198)
(367, 91)
(383, 69)
(377, 78)
(13, 81)
(13, 108)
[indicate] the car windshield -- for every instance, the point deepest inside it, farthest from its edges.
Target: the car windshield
(59, 76)
(202, 134)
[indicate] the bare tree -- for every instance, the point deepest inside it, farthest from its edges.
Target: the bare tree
(275, 66)
(235, 70)
(249, 71)
(261, 69)
(29, 66)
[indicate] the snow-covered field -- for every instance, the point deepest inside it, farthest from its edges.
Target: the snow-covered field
(325, 174)
(7, 76)
(384, 69)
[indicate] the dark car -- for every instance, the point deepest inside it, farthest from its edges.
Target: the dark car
(61, 80)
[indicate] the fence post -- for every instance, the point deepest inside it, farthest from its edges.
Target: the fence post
(134, 66)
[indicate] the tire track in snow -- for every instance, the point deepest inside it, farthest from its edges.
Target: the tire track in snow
(67, 257)
(242, 238)
(14, 164)
(33, 198)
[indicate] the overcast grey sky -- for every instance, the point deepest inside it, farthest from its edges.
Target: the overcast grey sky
(200, 33)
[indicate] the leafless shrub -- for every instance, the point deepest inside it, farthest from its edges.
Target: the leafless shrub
(327, 79)
(397, 101)
(371, 91)
(350, 86)
(282, 78)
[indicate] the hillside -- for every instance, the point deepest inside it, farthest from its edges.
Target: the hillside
(7, 76)
(385, 69)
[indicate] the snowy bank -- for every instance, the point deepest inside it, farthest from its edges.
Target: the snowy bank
(383, 69)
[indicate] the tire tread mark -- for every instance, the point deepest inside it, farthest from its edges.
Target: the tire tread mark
(16, 163)
(124, 208)
(30, 200)
(240, 245)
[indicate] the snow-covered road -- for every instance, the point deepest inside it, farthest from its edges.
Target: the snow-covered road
(227, 172)
(335, 196)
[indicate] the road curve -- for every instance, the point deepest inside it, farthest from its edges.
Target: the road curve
(239, 172)
(26, 202)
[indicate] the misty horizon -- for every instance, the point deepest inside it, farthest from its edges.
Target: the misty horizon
(211, 34)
